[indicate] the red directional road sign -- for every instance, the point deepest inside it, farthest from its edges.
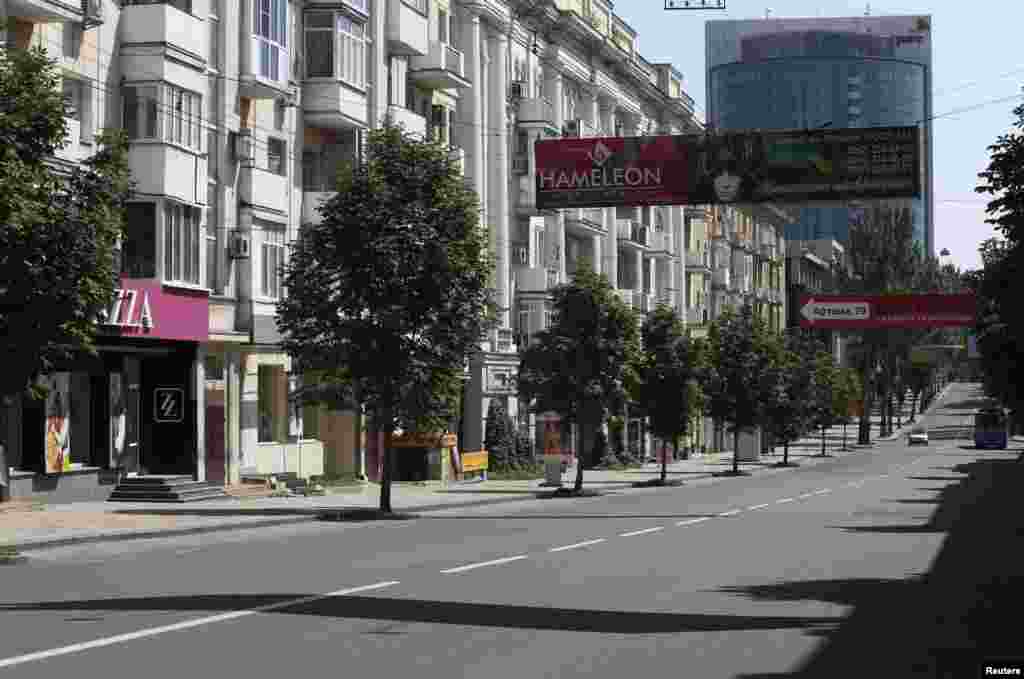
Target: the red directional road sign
(858, 312)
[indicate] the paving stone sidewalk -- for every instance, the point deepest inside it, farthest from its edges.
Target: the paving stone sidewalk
(36, 526)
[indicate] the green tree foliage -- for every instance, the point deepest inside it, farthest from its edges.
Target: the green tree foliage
(579, 367)
(736, 375)
(59, 228)
(791, 381)
(392, 284)
(845, 393)
(669, 391)
(499, 438)
(826, 382)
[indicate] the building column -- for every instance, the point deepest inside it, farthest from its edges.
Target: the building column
(595, 244)
(611, 248)
(554, 234)
(638, 278)
(232, 424)
(199, 391)
(498, 199)
(470, 111)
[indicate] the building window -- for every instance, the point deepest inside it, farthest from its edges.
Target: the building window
(270, 24)
(442, 26)
(320, 165)
(181, 243)
(163, 112)
(276, 152)
(267, 378)
(352, 51)
(213, 56)
(212, 146)
(140, 112)
(319, 45)
(272, 260)
(138, 258)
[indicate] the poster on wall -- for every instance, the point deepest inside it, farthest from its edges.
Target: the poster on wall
(57, 436)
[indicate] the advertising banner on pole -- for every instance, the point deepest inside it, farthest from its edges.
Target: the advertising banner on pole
(787, 166)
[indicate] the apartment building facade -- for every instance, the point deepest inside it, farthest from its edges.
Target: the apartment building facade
(238, 115)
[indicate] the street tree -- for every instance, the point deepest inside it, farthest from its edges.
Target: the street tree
(669, 390)
(844, 396)
(60, 229)
(499, 437)
(579, 367)
(392, 284)
(736, 373)
(788, 414)
(826, 381)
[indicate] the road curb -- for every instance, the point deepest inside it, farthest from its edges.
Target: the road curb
(285, 516)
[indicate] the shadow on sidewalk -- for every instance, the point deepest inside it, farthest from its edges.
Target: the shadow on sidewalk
(940, 624)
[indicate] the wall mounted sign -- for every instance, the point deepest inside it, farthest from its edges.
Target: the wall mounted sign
(168, 404)
(147, 308)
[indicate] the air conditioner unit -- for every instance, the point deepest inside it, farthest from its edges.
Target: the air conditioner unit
(573, 127)
(521, 254)
(517, 90)
(238, 245)
(520, 164)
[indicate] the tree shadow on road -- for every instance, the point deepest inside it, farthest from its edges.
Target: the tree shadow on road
(939, 624)
(379, 608)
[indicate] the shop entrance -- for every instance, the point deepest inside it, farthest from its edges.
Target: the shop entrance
(168, 416)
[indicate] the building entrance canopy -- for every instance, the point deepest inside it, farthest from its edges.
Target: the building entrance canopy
(789, 166)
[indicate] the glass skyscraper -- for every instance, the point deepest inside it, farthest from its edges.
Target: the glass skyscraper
(829, 72)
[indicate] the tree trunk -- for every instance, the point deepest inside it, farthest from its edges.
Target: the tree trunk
(664, 458)
(385, 422)
(913, 407)
(864, 426)
(785, 452)
(844, 434)
(736, 450)
(823, 440)
(578, 486)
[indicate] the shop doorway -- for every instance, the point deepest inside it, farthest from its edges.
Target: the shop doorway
(215, 459)
(168, 416)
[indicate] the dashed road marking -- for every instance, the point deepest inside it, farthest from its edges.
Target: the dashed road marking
(641, 532)
(188, 624)
(493, 562)
(731, 512)
(822, 491)
(784, 500)
(690, 522)
(802, 496)
(766, 504)
(585, 543)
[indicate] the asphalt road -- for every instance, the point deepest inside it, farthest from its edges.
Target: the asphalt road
(760, 576)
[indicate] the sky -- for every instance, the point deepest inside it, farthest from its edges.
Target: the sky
(975, 60)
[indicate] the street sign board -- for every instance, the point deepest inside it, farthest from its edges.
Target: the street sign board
(783, 166)
(859, 312)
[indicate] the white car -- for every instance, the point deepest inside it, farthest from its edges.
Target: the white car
(917, 436)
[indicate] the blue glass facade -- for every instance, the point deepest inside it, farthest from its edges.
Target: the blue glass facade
(810, 73)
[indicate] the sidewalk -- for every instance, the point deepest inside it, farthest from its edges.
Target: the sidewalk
(41, 526)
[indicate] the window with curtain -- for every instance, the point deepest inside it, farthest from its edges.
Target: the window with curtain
(272, 259)
(181, 243)
(140, 107)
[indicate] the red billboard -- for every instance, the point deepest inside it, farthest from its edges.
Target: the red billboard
(859, 312)
(788, 166)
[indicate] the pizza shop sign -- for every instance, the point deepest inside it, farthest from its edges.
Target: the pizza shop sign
(130, 309)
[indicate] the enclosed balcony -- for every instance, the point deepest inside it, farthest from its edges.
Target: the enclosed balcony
(407, 26)
(333, 105)
(442, 68)
(176, 26)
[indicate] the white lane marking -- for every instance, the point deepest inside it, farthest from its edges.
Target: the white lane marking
(802, 496)
(731, 512)
(494, 562)
(822, 491)
(641, 532)
(766, 504)
(784, 500)
(188, 624)
(578, 544)
(883, 476)
(690, 522)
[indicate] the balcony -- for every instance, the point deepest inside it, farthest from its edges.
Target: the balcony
(407, 27)
(333, 105)
(180, 35)
(311, 200)
(585, 222)
(442, 68)
(533, 279)
(661, 244)
(87, 12)
(536, 112)
(165, 169)
(699, 261)
(262, 188)
(632, 234)
(413, 122)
